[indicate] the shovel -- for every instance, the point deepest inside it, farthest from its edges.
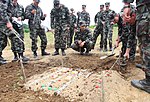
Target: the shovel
(112, 54)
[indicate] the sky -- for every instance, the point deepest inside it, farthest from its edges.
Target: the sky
(92, 7)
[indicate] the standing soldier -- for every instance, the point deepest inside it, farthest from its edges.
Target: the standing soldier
(99, 27)
(82, 40)
(143, 34)
(35, 14)
(72, 26)
(108, 26)
(60, 21)
(17, 18)
(83, 16)
(7, 28)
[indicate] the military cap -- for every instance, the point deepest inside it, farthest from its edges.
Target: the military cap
(56, 1)
(101, 5)
(71, 9)
(37, 0)
(107, 3)
(83, 5)
(82, 23)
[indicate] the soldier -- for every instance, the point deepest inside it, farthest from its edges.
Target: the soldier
(143, 34)
(82, 39)
(60, 21)
(6, 28)
(108, 26)
(35, 14)
(73, 26)
(17, 18)
(126, 35)
(99, 27)
(83, 16)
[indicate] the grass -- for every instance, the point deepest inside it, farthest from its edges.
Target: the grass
(50, 38)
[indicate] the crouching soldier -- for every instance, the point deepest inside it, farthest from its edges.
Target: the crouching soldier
(82, 40)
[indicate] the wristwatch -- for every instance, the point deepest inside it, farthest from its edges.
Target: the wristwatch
(126, 6)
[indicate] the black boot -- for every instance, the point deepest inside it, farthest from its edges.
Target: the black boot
(56, 52)
(44, 53)
(63, 52)
(15, 57)
(24, 59)
(87, 52)
(35, 54)
(142, 84)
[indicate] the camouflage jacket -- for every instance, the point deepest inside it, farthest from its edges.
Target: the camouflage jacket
(98, 18)
(60, 17)
(85, 35)
(138, 2)
(108, 16)
(34, 19)
(84, 16)
(73, 20)
(18, 11)
(4, 18)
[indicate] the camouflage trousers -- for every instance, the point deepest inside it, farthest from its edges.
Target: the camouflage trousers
(34, 33)
(70, 36)
(3, 41)
(60, 36)
(15, 42)
(21, 33)
(108, 32)
(132, 48)
(143, 33)
(87, 46)
(98, 31)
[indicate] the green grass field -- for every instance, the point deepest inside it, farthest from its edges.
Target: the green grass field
(50, 39)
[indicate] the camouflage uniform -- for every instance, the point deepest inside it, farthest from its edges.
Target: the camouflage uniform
(127, 35)
(4, 19)
(83, 16)
(72, 27)
(99, 29)
(108, 28)
(36, 28)
(60, 21)
(83, 36)
(143, 34)
(18, 11)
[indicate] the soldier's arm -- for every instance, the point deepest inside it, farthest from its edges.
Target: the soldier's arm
(76, 37)
(89, 36)
(95, 18)
(42, 15)
(3, 13)
(52, 19)
(22, 13)
(88, 19)
(68, 16)
(28, 14)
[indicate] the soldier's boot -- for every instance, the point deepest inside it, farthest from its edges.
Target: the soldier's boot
(82, 51)
(63, 52)
(87, 52)
(35, 54)
(15, 57)
(142, 84)
(105, 48)
(110, 46)
(56, 52)
(24, 59)
(138, 65)
(44, 53)
(1, 58)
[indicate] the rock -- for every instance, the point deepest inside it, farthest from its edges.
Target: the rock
(80, 94)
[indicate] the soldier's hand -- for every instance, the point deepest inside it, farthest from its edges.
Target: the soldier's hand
(53, 31)
(117, 44)
(79, 42)
(33, 11)
(9, 26)
(82, 44)
(126, 55)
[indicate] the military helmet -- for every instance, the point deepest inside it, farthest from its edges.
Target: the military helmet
(101, 6)
(83, 5)
(56, 1)
(37, 0)
(107, 3)
(82, 23)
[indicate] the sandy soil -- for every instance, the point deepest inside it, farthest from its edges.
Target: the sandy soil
(104, 85)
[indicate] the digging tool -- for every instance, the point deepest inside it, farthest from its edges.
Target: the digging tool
(112, 54)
